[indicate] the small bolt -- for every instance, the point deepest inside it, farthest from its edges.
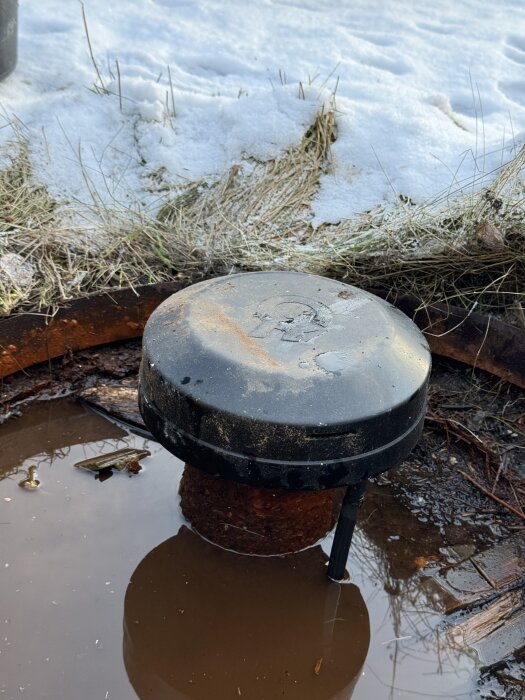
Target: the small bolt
(30, 482)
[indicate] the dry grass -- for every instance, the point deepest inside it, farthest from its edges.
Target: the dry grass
(469, 250)
(255, 217)
(47, 257)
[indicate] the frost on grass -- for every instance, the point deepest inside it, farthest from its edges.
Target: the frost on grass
(51, 251)
(256, 215)
(24, 208)
(468, 249)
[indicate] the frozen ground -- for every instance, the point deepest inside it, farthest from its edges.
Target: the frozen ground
(430, 96)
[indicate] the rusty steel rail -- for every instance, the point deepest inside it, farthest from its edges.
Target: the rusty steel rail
(28, 339)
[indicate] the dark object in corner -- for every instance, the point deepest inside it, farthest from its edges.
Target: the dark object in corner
(8, 36)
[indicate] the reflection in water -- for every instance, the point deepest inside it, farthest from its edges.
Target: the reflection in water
(414, 602)
(68, 549)
(204, 623)
(49, 429)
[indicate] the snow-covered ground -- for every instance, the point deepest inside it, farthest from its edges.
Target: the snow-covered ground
(430, 95)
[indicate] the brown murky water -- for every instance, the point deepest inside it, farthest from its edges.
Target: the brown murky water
(105, 594)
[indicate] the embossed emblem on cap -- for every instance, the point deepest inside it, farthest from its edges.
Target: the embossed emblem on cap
(298, 318)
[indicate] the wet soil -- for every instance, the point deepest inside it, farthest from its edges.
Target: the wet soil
(106, 593)
(67, 374)
(475, 428)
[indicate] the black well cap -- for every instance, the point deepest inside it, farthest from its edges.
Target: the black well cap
(284, 380)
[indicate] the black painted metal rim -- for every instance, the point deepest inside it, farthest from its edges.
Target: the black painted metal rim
(278, 474)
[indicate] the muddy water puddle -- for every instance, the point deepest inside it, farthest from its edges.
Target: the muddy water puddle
(105, 592)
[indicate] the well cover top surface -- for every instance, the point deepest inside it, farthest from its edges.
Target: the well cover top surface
(286, 348)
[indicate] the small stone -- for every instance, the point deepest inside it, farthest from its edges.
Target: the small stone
(15, 270)
(489, 235)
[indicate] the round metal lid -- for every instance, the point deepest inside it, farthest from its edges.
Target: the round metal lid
(283, 379)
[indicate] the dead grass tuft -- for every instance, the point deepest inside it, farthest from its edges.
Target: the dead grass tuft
(255, 217)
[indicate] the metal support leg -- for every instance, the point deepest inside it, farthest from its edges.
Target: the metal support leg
(345, 529)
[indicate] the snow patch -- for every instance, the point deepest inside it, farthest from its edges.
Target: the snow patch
(430, 97)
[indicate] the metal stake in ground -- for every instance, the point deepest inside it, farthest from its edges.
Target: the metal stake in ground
(345, 529)
(278, 389)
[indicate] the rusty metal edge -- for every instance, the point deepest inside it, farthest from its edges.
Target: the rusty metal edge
(29, 339)
(473, 338)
